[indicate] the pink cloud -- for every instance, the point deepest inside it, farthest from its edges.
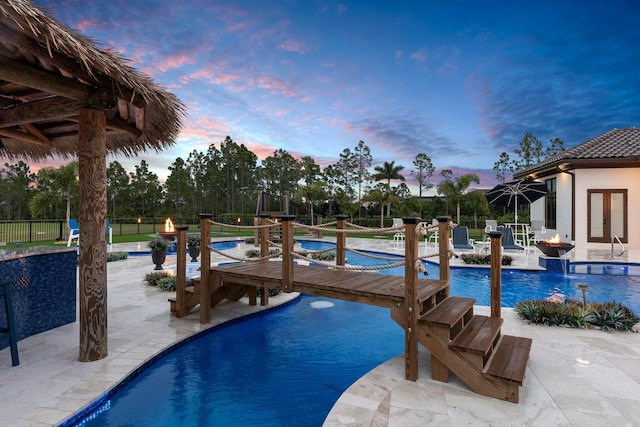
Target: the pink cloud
(275, 85)
(175, 61)
(292, 46)
(419, 56)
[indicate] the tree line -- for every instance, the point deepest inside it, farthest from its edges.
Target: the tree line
(226, 179)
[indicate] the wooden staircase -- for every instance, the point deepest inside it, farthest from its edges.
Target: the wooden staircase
(471, 346)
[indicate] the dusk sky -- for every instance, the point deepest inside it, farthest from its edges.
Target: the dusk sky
(461, 81)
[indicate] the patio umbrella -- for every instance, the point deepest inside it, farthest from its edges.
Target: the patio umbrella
(512, 193)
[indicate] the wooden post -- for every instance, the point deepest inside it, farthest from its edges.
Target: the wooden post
(264, 251)
(496, 273)
(287, 248)
(181, 271)
(341, 239)
(92, 214)
(443, 246)
(439, 370)
(205, 268)
(411, 299)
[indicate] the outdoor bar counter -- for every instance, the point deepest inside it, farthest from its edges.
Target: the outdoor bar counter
(42, 281)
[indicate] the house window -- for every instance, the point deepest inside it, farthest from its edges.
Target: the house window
(550, 204)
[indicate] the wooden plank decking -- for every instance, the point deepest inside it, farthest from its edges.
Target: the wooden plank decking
(370, 288)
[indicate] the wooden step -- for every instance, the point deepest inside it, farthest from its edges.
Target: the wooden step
(478, 336)
(449, 312)
(449, 317)
(509, 359)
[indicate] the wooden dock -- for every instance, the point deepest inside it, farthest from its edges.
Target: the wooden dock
(459, 341)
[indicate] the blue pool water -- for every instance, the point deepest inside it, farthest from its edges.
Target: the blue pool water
(288, 366)
(621, 283)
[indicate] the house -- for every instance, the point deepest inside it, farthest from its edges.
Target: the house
(593, 187)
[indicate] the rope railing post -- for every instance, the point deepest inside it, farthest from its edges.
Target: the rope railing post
(181, 271)
(443, 246)
(264, 251)
(496, 273)
(205, 266)
(287, 248)
(411, 298)
(341, 240)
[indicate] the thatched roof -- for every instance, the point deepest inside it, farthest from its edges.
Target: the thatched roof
(48, 72)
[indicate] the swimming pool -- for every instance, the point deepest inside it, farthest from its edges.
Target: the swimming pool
(621, 284)
(283, 367)
(261, 367)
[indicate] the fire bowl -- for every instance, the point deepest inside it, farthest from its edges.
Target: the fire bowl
(554, 249)
(168, 235)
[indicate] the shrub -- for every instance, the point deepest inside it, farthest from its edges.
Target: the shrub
(152, 278)
(255, 253)
(116, 256)
(193, 241)
(608, 316)
(159, 244)
(478, 259)
(167, 283)
(324, 256)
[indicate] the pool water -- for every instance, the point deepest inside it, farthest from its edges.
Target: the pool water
(621, 284)
(284, 367)
(289, 365)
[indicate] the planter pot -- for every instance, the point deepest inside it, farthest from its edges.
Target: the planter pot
(158, 258)
(194, 251)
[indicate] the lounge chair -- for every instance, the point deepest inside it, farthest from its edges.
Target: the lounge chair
(490, 225)
(507, 239)
(460, 238)
(74, 231)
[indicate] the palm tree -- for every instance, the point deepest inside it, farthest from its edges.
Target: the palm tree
(388, 171)
(454, 190)
(377, 195)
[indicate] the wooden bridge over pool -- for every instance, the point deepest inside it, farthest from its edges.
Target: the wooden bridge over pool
(459, 341)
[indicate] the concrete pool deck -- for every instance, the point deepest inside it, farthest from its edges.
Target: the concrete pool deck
(575, 377)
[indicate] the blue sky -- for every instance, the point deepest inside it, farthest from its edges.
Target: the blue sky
(461, 81)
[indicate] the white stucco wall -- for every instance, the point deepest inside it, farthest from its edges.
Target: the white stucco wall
(593, 179)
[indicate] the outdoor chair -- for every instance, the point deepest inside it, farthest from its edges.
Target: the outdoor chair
(74, 232)
(490, 225)
(460, 238)
(536, 231)
(434, 233)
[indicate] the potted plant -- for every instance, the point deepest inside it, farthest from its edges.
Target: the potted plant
(193, 245)
(158, 248)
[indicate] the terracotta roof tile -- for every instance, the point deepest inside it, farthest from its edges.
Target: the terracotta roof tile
(613, 144)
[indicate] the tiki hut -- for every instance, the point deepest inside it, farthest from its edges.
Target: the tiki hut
(61, 96)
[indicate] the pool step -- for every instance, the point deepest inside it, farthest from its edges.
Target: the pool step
(472, 347)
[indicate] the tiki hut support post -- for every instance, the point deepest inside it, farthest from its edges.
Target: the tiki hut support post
(341, 239)
(411, 299)
(205, 266)
(181, 271)
(92, 265)
(496, 273)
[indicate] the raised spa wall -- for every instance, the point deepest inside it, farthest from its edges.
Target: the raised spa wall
(43, 288)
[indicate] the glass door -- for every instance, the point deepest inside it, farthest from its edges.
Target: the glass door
(606, 215)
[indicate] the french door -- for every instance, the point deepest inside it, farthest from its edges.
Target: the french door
(606, 215)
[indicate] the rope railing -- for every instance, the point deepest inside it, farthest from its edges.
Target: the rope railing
(245, 227)
(364, 230)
